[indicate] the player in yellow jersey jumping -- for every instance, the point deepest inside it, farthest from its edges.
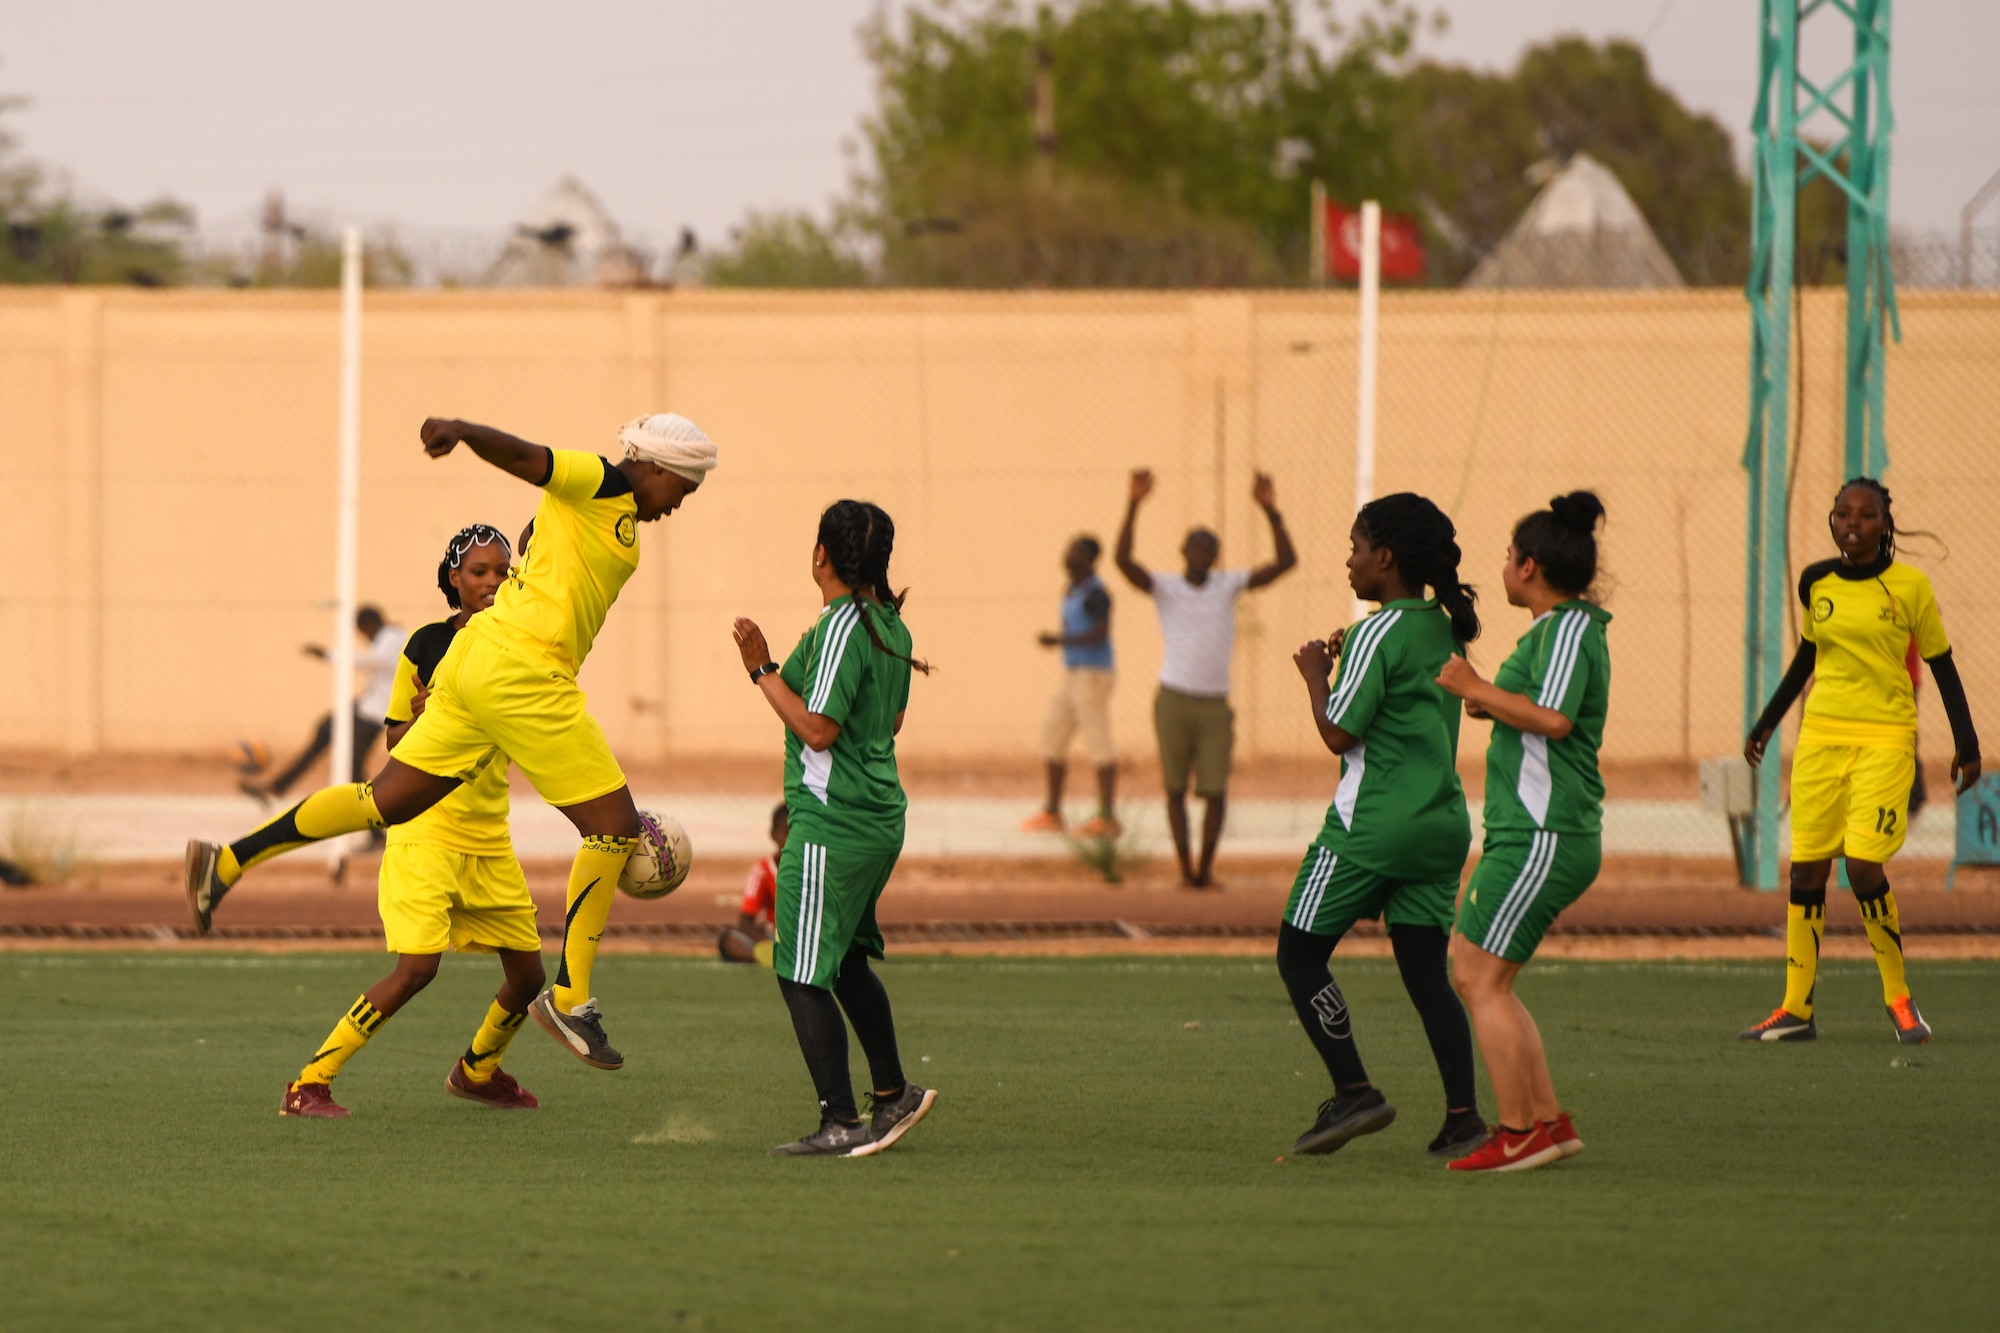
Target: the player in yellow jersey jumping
(508, 685)
(449, 877)
(1856, 759)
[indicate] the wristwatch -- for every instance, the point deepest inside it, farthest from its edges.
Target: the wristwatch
(758, 673)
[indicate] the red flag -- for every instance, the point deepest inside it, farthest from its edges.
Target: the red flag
(1402, 245)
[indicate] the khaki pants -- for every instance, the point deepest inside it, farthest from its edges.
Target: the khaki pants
(1195, 733)
(1082, 704)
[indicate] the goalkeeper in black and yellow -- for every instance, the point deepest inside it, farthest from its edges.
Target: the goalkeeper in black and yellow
(508, 685)
(449, 877)
(1857, 752)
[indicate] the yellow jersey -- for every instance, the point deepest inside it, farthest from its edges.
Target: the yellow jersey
(473, 819)
(586, 545)
(1860, 620)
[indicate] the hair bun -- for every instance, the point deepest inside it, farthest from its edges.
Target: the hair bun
(1578, 511)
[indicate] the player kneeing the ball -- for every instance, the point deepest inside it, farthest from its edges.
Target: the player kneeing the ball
(841, 695)
(508, 685)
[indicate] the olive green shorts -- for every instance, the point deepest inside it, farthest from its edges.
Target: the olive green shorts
(1195, 733)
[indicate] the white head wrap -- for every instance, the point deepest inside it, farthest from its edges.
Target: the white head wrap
(671, 441)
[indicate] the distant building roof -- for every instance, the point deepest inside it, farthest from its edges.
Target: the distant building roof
(567, 240)
(1582, 230)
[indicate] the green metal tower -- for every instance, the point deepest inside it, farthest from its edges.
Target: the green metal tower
(1853, 154)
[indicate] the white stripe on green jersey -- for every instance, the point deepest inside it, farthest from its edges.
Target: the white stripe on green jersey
(850, 794)
(1535, 782)
(1399, 810)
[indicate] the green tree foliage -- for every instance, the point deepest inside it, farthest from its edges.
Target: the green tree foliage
(52, 237)
(1475, 136)
(787, 250)
(1185, 138)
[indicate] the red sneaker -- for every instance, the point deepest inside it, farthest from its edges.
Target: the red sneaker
(1510, 1150)
(312, 1100)
(500, 1092)
(1563, 1134)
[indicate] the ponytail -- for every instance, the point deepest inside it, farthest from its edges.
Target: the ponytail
(1425, 545)
(859, 538)
(1562, 541)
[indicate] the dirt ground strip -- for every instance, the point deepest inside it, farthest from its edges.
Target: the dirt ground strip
(1642, 908)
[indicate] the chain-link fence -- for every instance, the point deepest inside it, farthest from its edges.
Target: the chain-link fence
(169, 461)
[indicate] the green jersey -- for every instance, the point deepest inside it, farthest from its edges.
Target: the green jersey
(849, 795)
(1399, 810)
(1538, 782)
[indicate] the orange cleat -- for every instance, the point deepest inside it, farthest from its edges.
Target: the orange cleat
(1103, 826)
(1042, 822)
(1911, 1030)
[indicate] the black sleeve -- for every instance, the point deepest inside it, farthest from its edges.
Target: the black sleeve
(615, 482)
(1951, 693)
(1795, 679)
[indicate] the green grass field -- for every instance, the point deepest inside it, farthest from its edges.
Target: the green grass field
(1103, 1156)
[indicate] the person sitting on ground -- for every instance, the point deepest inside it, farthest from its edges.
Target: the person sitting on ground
(1191, 713)
(1083, 703)
(750, 939)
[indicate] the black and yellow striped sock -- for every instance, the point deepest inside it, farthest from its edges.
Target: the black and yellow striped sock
(1805, 923)
(490, 1043)
(348, 1036)
(327, 813)
(593, 876)
(1884, 925)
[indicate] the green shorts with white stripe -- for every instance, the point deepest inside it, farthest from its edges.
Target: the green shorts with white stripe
(1522, 883)
(826, 906)
(1330, 893)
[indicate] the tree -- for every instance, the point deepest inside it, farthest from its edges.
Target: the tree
(787, 250)
(1474, 138)
(1184, 138)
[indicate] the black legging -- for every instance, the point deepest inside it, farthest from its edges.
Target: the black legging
(366, 729)
(1421, 953)
(823, 1036)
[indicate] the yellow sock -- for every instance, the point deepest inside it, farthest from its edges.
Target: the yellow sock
(327, 813)
(593, 878)
(490, 1042)
(1804, 924)
(347, 1037)
(1885, 936)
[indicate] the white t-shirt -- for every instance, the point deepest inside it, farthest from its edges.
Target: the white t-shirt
(1199, 626)
(376, 667)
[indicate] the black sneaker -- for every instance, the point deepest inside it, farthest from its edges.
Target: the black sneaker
(1346, 1116)
(892, 1117)
(1782, 1025)
(581, 1032)
(204, 889)
(1460, 1135)
(833, 1139)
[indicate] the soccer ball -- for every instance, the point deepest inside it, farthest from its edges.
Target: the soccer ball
(661, 860)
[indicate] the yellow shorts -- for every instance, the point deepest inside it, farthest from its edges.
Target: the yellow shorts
(484, 699)
(1850, 800)
(432, 898)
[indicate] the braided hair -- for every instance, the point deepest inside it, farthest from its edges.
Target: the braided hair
(1425, 545)
(1562, 541)
(478, 534)
(859, 537)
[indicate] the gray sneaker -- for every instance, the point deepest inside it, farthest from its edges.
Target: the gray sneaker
(832, 1139)
(204, 890)
(892, 1117)
(580, 1033)
(1346, 1117)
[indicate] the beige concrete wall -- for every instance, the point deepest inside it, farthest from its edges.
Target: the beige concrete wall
(167, 465)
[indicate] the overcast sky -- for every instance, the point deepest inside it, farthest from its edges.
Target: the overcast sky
(441, 114)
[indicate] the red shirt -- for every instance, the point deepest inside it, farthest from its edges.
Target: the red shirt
(760, 891)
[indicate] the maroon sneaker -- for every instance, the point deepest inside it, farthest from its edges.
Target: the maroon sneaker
(500, 1092)
(313, 1100)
